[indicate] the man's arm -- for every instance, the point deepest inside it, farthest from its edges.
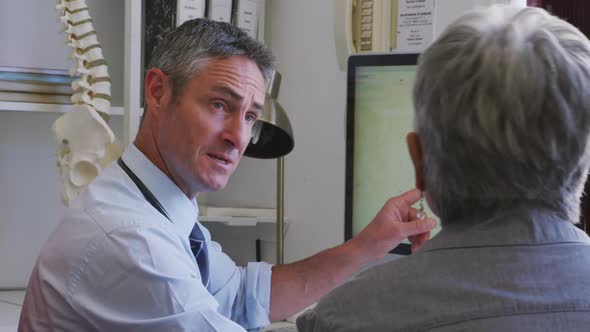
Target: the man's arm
(295, 286)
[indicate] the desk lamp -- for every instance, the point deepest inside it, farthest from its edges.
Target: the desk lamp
(272, 137)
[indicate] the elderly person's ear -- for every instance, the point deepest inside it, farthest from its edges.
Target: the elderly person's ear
(415, 149)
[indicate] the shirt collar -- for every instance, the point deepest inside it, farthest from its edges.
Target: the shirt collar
(513, 227)
(182, 211)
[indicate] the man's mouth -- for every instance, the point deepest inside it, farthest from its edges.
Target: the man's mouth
(222, 159)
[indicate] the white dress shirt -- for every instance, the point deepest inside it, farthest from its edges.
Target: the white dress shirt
(116, 264)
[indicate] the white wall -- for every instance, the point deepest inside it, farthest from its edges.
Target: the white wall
(313, 92)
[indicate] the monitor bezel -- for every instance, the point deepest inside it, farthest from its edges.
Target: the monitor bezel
(355, 61)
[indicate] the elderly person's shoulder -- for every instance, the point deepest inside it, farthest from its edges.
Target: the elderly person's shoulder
(372, 300)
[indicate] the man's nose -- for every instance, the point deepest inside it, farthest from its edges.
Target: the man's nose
(237, 132)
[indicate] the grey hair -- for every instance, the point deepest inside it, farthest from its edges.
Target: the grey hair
(502, 108)
(186, 49)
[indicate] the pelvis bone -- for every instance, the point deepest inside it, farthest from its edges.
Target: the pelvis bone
(87, 145)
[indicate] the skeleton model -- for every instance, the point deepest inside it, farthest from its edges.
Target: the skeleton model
(86, 143)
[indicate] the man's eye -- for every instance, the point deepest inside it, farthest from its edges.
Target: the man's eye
(218, 106)
(251, 117)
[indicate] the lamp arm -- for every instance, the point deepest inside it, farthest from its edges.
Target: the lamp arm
(280, 209)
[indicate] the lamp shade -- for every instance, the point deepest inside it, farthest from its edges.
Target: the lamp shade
(274, 137)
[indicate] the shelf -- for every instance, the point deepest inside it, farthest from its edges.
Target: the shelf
(41, 107)
(237, 221)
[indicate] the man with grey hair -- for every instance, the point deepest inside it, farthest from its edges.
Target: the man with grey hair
(130, 253)
(502, 118)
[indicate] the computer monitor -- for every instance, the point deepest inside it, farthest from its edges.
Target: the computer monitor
(379, 116)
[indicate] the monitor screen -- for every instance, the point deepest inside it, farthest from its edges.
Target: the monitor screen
(379, 116)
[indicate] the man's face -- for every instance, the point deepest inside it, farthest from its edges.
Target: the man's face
(203, 133)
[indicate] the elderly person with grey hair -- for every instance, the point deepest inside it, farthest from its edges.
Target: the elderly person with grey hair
(502, 118)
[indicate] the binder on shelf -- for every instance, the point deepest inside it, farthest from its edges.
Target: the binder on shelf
(35, 85)
(36, 75)
(29, 97)
(57, 89)
(219, 10)
(188, 10)
(247, 16)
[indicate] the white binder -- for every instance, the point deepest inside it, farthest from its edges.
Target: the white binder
(247, 16)
(188, 10)
(219, 10)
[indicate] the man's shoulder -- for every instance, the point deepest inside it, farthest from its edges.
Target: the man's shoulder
(87, 227)
(110, 202)
(107, 207)
(91, 238)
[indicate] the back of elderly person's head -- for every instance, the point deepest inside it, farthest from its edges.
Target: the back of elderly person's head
(185, 50)
(502, 103)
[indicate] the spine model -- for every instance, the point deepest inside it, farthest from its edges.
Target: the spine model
(86, 142)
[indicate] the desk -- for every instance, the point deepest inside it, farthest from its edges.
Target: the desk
(281, 327)
(11, 303)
